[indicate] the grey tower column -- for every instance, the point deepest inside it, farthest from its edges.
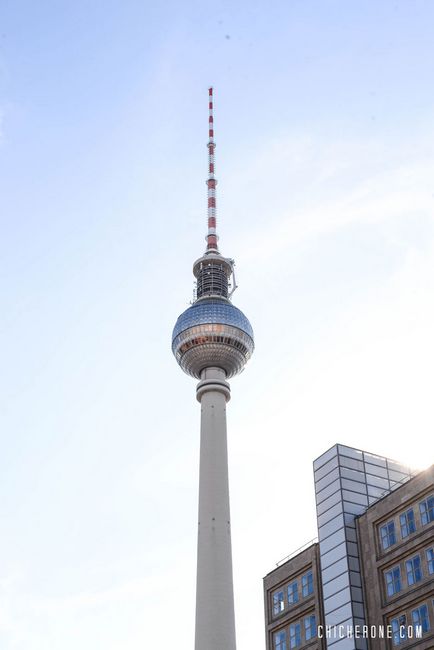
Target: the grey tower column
(215, 617)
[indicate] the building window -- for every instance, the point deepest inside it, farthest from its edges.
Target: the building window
(426, 508)
(399, 629)
(388, 536)
(294, 635)
(280, 640)
(393, 581)
(430, 560)
(307, 584)
(420, 617)
(408, 524)
(292, 593)
(414, 570)
(310, 627)
(278, 602)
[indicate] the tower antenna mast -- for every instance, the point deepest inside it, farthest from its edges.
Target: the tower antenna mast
(211, 182)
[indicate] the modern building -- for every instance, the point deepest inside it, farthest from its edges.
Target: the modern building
(212, 341)
(374, 558)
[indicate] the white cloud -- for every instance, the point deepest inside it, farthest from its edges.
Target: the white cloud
(355, 183)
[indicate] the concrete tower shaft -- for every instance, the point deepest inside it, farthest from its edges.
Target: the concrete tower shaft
(215, 614)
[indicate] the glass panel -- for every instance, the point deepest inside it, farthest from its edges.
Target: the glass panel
(334, 570)
(354, 486)
(329, 478)
(294, 635)
(393, 581)
(329, 514)
(387, 535)
(351, 463)
(211, 311)
(353, 475)
(310, 629)
(278, 602)
(293, 593)
(339, 615)
(352, 549)
(407, 523)
(398, 467)
(280, 640)
(361, 644)
(355, 579)
(350, 451)
(375, 470)
(321, 461)
(374, 460)
(307, 584)
(333, 555)
(354, 508)
(337, 600)
(414, 570)
(356, 594)
(426, 508)
(335, 585)
(355, 497)
(376, 492)
(377, 481)
(326, 469)
(354, 564)
(394, 486)
(331, 527)
(332, 540)
(327, 491)
(358, 610)
(399, 629)
(341, 644)
(420, 617)
(328, 503)
(430, 560)
(349, 519)
(402, 477)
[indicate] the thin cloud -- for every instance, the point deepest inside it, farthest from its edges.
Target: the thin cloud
(369, 197)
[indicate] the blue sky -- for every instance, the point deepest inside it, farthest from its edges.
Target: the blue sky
(325, 133)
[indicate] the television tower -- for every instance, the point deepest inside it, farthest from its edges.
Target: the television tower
(212, 340)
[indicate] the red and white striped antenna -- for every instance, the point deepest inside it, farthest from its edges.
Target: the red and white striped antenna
(211, 182)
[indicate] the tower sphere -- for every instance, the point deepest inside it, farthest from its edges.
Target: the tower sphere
(212, 333)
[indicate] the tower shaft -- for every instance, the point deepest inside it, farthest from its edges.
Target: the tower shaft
(215, 617)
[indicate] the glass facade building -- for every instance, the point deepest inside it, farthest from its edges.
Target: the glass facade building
(347, 482)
